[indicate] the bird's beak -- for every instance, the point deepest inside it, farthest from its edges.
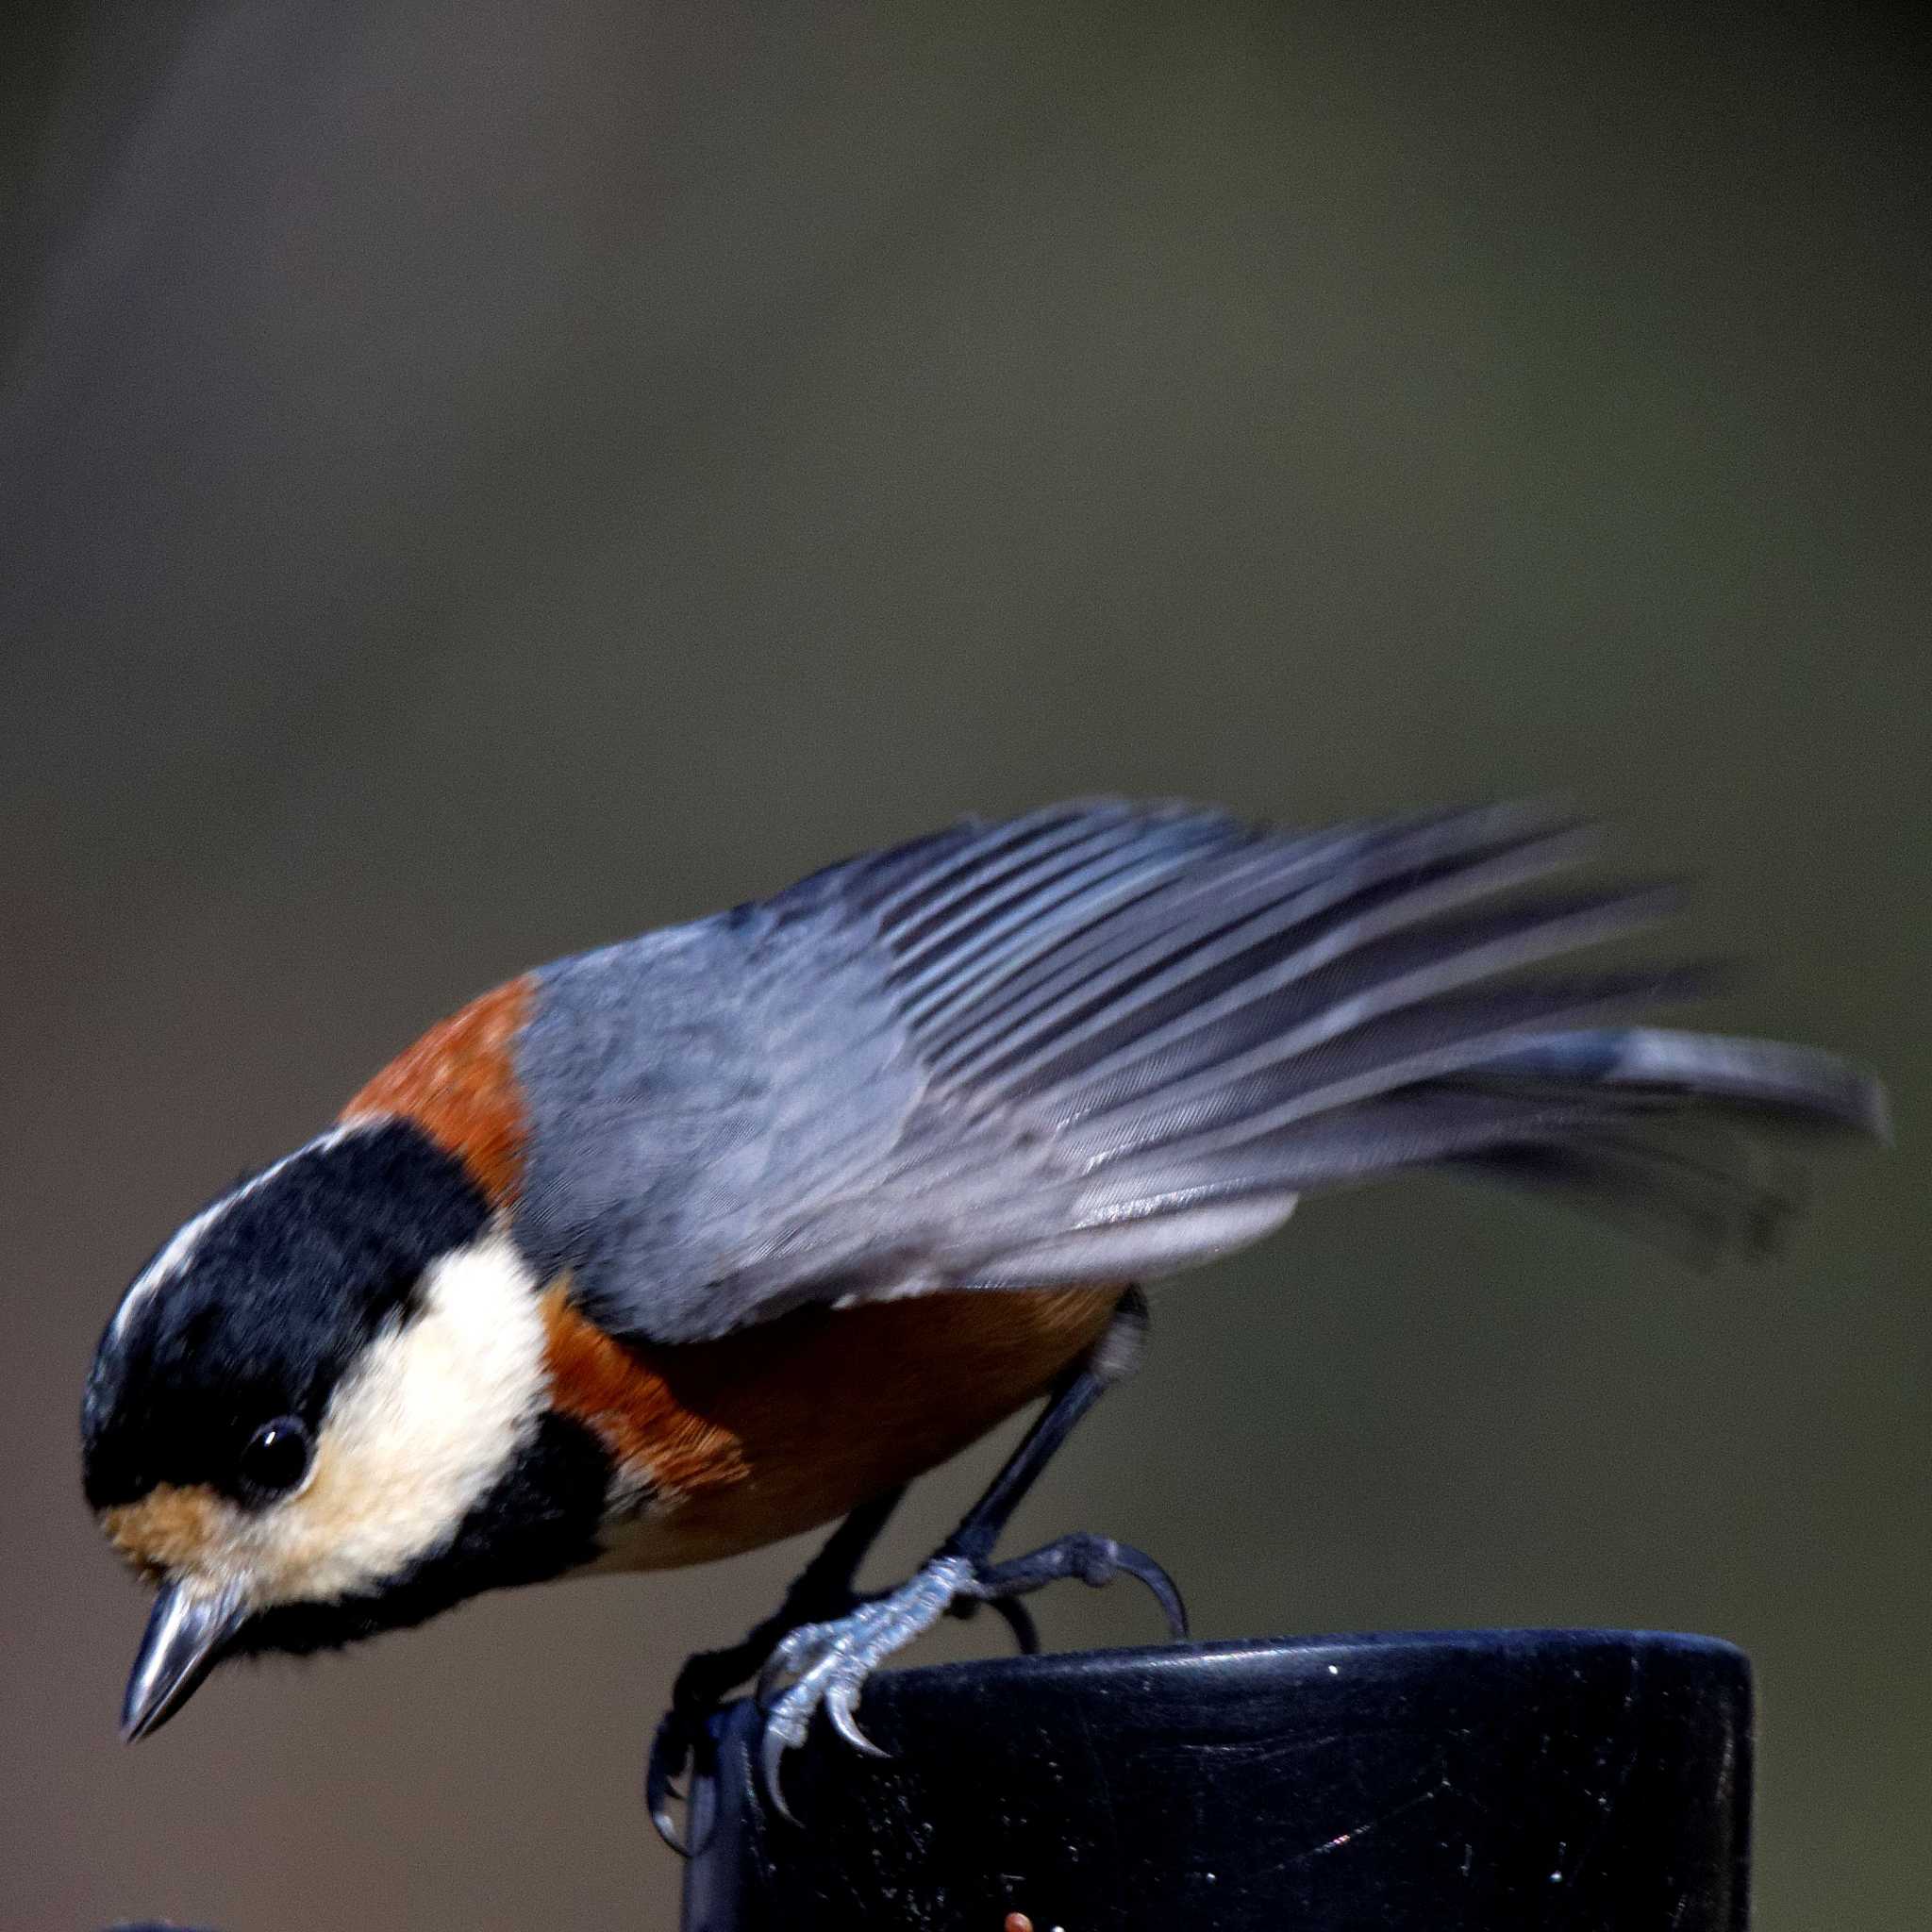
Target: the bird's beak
(184, 1640)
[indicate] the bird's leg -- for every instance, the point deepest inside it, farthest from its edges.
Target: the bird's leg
(831, 1660)
(823, 1589)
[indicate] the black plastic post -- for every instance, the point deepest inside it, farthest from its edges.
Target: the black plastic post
(1595, 1781)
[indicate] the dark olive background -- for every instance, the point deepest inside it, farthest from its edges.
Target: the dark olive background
(478, 481)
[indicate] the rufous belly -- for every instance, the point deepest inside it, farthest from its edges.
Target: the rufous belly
(761, 1434)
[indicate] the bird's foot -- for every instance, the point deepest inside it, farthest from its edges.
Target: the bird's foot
(683, 1730)
(705, 1680)
(1096, 1561)
(709, 1676)
(830, 1662)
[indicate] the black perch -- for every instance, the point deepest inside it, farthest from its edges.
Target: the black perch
(1596, 1781)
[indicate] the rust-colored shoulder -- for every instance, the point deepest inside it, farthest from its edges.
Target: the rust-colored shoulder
(652, 1437)
(458, 1084)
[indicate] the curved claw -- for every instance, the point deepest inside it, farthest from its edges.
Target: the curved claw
(840, 1700)
(673, 1753)
(784, 1731)
(1137, 1564)
(1019, 1619)
(831, 1662)
(664, 1822)
(832, 1680)
(669, 1759)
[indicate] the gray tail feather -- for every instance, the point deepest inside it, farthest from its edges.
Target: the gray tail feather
(1674, 1162)
(1197, 1021)
(1654, 1129)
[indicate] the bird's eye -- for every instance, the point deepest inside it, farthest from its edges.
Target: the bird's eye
(277, 1457)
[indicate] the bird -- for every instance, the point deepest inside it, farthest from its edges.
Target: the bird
(681, 1246)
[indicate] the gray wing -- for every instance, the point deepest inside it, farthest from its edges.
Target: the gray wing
(1104, 1042)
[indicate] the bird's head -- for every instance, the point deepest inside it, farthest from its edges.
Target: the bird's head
(321, 1411)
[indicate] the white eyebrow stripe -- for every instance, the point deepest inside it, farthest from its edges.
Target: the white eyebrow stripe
(188, 1236)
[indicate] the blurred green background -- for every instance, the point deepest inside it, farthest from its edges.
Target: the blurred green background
(479, 481)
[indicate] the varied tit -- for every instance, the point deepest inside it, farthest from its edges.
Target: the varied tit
(680, 1247)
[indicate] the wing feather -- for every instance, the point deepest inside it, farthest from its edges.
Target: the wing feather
(1103, 1042)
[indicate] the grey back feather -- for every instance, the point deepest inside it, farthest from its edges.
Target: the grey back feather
(1106, 1041)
